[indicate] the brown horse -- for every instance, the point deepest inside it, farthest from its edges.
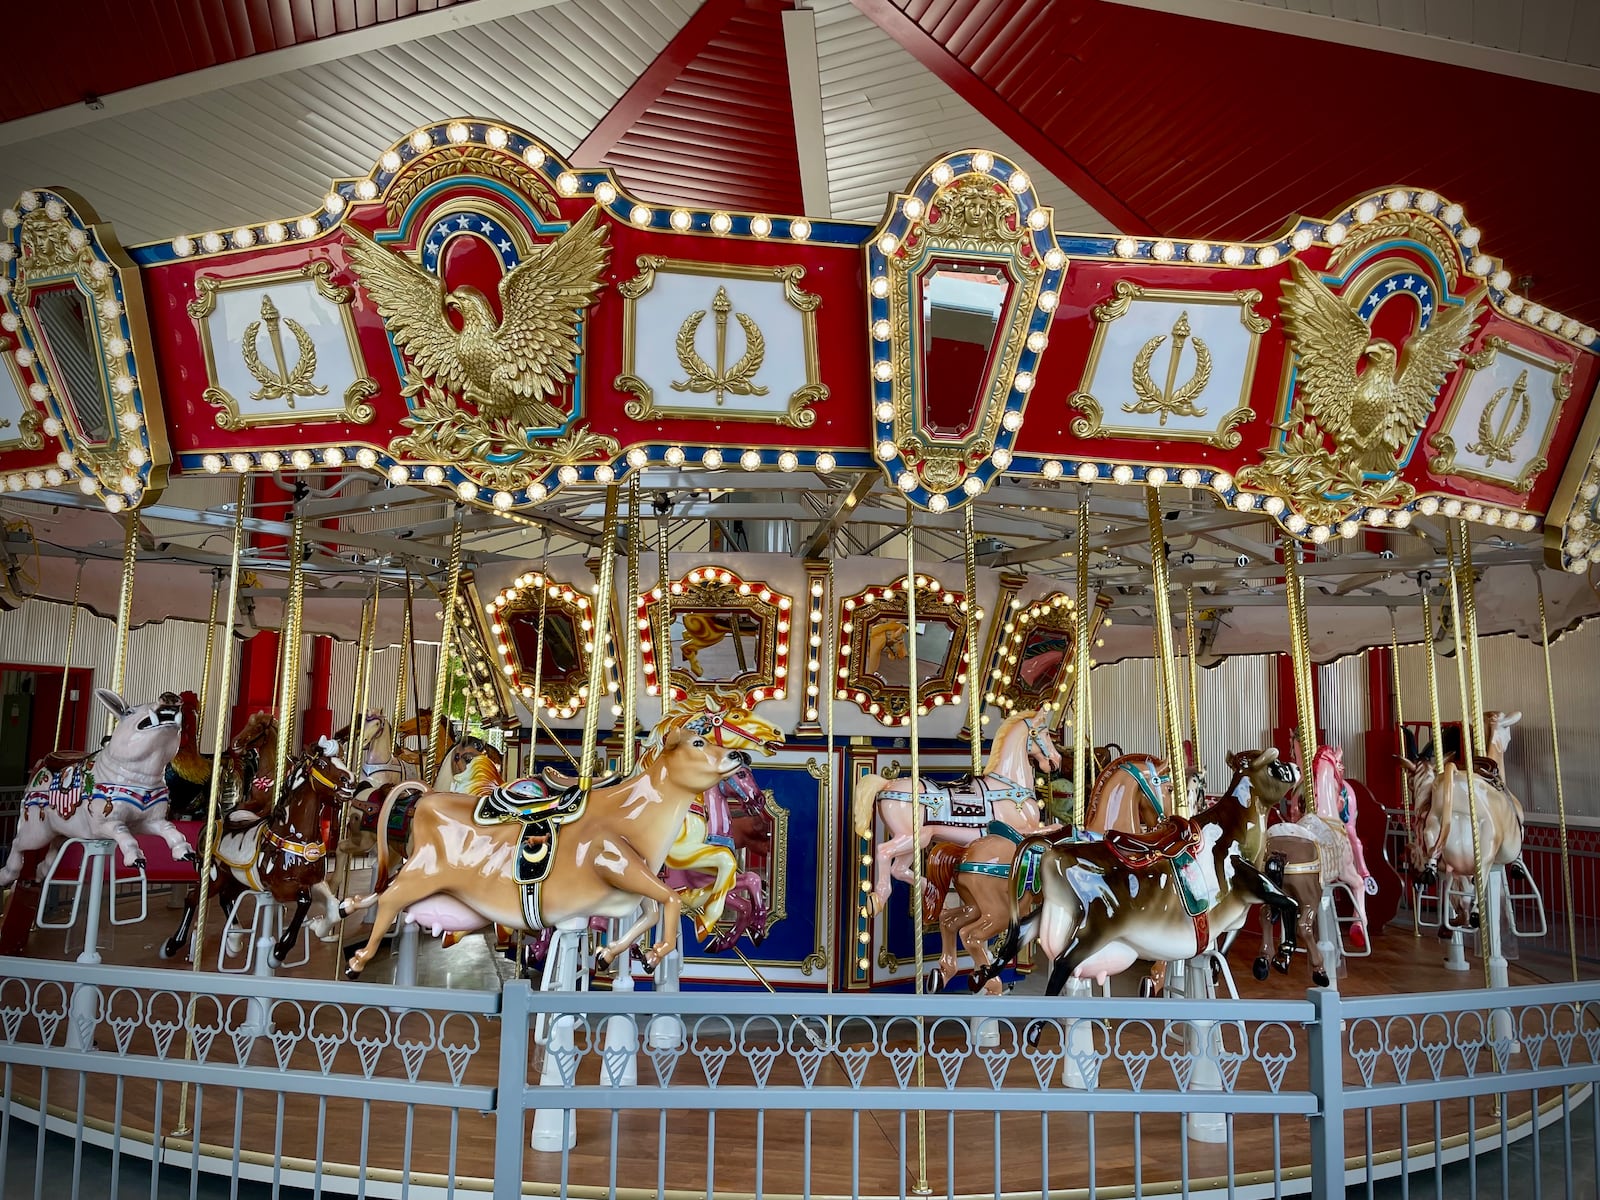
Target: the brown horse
(280, 852)
(1110, 902)
(461, 875)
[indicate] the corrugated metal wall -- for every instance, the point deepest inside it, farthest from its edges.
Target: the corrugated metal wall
(1236, 706)
(385, 663)
(1513, 679)
(169, 656)
(1343, 710)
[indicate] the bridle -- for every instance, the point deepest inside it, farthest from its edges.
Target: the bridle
(716, 725)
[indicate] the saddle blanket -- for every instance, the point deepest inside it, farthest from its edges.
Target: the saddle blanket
(966, 803)
(65, 788)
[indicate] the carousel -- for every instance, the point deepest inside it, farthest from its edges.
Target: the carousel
(651, 599)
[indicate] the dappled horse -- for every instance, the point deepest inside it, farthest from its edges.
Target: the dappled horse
(495, 860)
(958, 812)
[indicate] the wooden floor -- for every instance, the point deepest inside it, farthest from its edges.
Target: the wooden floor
(873, 1152)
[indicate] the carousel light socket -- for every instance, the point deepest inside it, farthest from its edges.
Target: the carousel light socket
(77, 353)
(964, 270)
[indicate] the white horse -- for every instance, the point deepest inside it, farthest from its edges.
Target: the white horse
(110, 793)
(959, 812)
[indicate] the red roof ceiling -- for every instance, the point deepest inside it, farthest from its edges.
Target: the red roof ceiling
(1194, 128)
(711, 121)
(69, 51)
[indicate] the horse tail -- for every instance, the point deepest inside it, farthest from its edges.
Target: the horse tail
(866, 801)
(409, 788)
(944, 860)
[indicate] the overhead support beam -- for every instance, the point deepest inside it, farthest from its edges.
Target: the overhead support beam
(395, 32)
(971, 88)
(805, 98)
(1371, 36)
(822, 535)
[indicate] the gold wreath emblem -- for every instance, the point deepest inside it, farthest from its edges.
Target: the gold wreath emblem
(1171, 400)
(1498, 444)
(282, 384)
(721, 379)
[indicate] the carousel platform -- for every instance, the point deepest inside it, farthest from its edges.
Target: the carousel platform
(862, 1153)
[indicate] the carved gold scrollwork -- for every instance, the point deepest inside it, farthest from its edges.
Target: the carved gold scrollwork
(1401, 226)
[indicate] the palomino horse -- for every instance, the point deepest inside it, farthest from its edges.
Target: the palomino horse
(1442, 833)
(703, 630)
(886, 639)
(380, 766)
(462, 875)
(1107, 903)
(1308, 856)
(280, 853)
(108, 793)
(959, 812)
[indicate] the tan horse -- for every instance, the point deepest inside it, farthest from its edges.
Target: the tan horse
(702, 630)
(886, 639)
(460, 876)
(960, 812)
(1442, 833)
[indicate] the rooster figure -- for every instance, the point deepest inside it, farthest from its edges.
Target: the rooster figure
(504, 367)
(1355, 385)
(188, 775)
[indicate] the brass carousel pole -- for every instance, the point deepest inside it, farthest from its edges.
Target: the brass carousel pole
(828, 655)
(597, 656)
(289, 651)
(211, 645)
(538, 658)
(914, 691)
(664, 634)
(974, 683)
(130, 555)
(219, 743)
(1561, 796)
(72, 634)
(1405, 776)
(364, 674)
(1080, 721)
(357, 716)
(1194, 675)
(1166, 665)
(439, 726)
(630, 626)
(1489, 945)
(1300, 659)
(1433, 675)
(1469, 633)
(400, 672)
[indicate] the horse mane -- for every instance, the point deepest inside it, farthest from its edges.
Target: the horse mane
(992, 766)
(482, 776)
(656, 744)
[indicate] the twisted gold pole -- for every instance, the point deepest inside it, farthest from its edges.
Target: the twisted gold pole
(357, 685)
(72, 634)
(974, 671)
(828, 654)
(1300, 659)
(208, 850)
(1405, 775)
(664, 634)
(289, 649)
(1194, 672)
(1469, 601)
(211, 645)
(1489, 937)
(1080, 666)
(538, 659)
(1561, 796)
(1166, 664)
(630, 626)
(400, 672)
(915, 697)
(439, 727)
(1433, 678)
(601, 610)
(130, 555)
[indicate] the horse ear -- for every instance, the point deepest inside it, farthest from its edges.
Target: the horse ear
(114, 703)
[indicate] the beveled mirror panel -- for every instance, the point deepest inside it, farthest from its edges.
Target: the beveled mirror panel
(875, 656)
(726, 636)
(65, 322)
(961, 307)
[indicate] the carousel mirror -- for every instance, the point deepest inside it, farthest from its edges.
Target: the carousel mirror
(961, 304)
(727, 636)
(65, 324)
(875, 651)
(1033, 663)
(556, 663)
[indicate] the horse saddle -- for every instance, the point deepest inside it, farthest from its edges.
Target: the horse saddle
(59, 762)
(1173, 838)
(541, 816)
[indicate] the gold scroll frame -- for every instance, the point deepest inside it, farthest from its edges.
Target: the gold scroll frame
(1056, 613)
(893, 702)
(351, 407)
(646, 404)
(1224, 433)
(720, 588)
(563, 698)
(1444, 462)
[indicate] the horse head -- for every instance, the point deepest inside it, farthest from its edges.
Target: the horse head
(729, 722)
(1271, 779)
(146, 736)
(1041, 746)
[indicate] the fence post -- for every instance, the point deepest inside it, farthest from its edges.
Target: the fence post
(511, 1088)
(1327, 1085)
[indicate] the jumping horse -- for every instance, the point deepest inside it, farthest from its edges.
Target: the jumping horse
(959, 812)
(280, 853)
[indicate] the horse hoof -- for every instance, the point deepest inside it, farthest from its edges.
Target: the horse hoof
(1371, 886)
(168, 950)
(1319, 977)
(1280, 963)
(191, 856)
(1147, 987)
(1261, 969)
(138, 863)
(1473, 920)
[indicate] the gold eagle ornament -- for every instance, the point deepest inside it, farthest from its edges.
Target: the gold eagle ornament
(1370, 413)
(502, 368)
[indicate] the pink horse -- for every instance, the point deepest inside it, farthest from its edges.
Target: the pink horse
(1336, 801)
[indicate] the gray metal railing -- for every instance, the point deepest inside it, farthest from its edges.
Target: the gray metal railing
(372, 1090)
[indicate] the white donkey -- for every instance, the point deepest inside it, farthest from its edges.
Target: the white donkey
(108, 793)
